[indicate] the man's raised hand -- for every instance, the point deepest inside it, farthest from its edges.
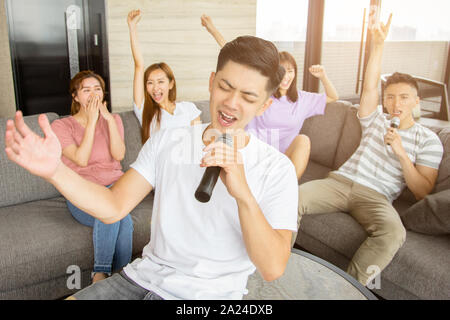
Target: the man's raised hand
(380, 31)
(40, 156)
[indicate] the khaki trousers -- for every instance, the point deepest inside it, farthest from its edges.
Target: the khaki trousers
(371, 209)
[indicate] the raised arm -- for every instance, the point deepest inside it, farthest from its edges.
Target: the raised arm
(42, 157)
(208, 24)
(138, 81)
(318, 71)
(370, 97)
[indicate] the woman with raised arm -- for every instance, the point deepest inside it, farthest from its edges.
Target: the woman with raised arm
(280, 124)
(155, 91)
(92, 142)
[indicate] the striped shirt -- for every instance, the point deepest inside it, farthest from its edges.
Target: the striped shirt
(375, 165)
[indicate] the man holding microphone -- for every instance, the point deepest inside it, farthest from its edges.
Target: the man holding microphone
(394, 152)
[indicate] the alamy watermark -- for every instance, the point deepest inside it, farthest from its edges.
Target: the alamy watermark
(74, 279)
(374, 281)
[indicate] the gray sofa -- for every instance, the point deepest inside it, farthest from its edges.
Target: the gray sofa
(40, 240)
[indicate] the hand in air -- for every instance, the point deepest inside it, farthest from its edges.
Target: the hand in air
(40, 156)
(133, 18)
(379, 31)
(207, 22)
(317, 71)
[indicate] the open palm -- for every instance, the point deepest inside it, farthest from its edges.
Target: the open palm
(40, 156)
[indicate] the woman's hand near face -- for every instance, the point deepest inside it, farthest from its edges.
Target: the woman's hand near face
(92, 109)
(105, 112)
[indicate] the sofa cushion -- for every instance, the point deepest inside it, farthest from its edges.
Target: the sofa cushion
(16, 184)
(41, 239)
(430, 215)
(350, 138)
(420, 264)
(419, 268)
(325, 132)
(203, 106)
(314, 171)
(133, 144)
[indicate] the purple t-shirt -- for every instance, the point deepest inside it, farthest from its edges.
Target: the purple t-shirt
(282, 121)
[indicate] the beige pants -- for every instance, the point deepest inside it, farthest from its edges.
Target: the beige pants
(371, 209)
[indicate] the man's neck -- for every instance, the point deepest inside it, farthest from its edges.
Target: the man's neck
(406, 123)
(168, 106)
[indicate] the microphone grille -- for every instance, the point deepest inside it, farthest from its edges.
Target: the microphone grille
(395, 122)
(227, 139)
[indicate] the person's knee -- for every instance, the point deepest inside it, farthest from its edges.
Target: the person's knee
(394, 232)
(303, 197)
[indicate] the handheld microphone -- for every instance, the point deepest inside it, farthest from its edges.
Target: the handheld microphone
(395, 123)
(208, 182)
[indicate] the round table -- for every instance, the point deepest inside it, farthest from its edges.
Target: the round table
(308, 277)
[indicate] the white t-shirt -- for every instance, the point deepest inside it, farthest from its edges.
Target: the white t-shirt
(182, 116)
(375, 165)
(196, 250)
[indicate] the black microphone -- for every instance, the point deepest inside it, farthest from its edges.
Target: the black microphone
(208, 182)
(395, 123)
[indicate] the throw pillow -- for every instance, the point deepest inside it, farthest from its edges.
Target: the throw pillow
(430, 215)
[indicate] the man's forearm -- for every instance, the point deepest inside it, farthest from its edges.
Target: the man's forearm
(369, 96)
(267, 249)
(94, 199)
(373, 71)
(415, 181)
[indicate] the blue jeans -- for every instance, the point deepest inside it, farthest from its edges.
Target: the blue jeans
(113, 243)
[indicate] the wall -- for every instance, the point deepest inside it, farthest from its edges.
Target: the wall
(7, 100)
(171, 31)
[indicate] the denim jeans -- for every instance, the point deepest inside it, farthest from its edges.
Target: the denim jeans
(113, 243)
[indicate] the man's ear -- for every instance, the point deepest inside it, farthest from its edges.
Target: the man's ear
(264, 107)
(211, 80)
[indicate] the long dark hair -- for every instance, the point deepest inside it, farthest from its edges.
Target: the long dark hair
(151, 107)
(292, 92)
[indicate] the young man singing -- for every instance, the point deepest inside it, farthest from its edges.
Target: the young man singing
(387, 160)
(197, 250)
